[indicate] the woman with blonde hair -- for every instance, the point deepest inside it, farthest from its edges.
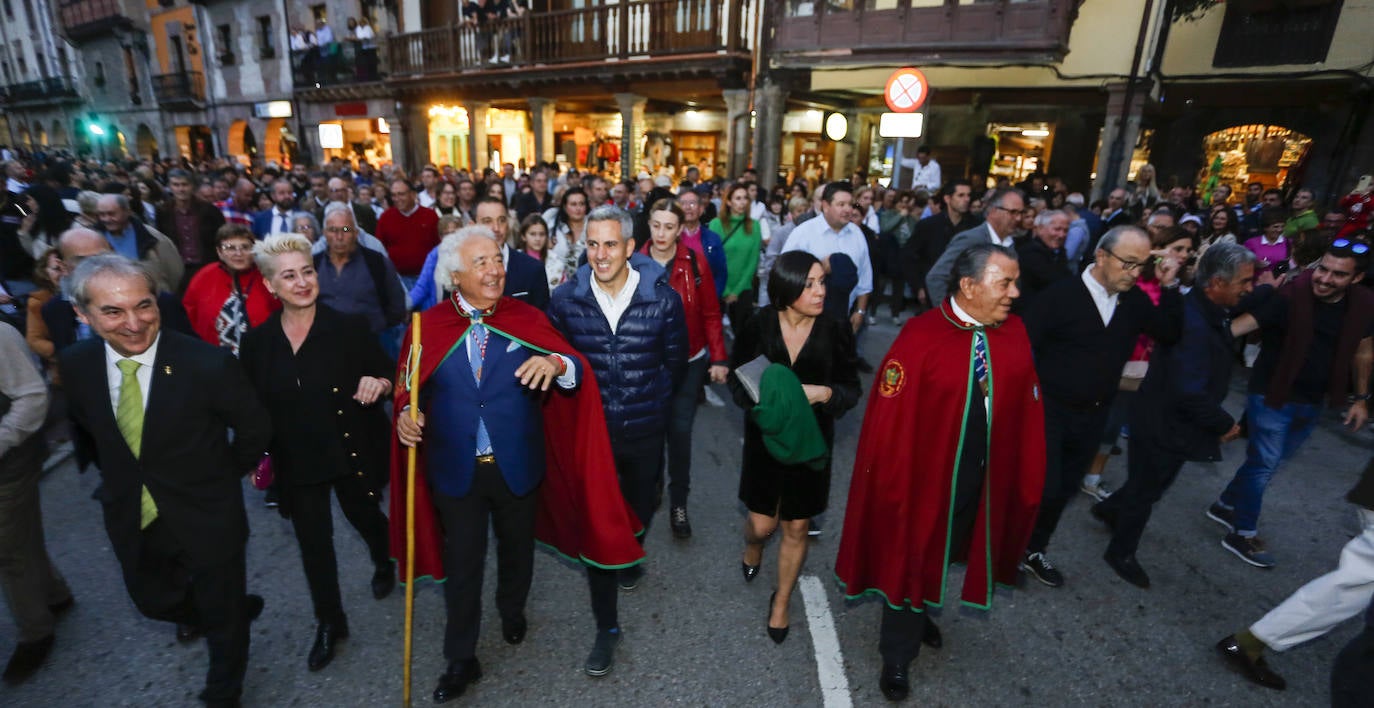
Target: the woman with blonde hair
(323, 377)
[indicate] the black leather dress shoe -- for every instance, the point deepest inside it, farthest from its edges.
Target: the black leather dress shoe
(750, 571)
(384, 581)
(28, 657)
(455, 681)
(932, 637)
(513, 630)
(1128, 569)
(895, 682)
(1256, 669)
(327, 635)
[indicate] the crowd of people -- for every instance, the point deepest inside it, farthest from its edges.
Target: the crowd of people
(570, 326)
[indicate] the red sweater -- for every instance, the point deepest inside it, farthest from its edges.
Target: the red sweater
(408, 239)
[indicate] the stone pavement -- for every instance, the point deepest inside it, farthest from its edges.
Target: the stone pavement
(694, 631)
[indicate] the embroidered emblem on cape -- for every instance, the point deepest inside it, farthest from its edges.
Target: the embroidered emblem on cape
(892, 379)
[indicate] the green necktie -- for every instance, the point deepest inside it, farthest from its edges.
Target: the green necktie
(129, 418)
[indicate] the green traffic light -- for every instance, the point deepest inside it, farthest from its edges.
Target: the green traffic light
(95, 129)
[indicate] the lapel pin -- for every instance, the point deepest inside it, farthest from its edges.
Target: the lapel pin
(167, 370)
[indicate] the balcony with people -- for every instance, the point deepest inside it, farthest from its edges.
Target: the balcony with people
(320, 57)
(812, 32)
(597, 40)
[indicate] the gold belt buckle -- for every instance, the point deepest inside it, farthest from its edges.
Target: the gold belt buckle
(486, 459)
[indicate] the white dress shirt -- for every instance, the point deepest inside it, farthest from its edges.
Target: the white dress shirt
(114, 377)
(614, 306)
(817, 238)
(1106, 304)
(281, 222)
(967, 319)
(1008, 242)
(927, 175)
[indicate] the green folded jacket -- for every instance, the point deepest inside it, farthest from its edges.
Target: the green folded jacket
(790, 431)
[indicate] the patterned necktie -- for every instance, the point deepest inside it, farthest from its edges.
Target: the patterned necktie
(477, 354)
(129, 419)
(980, 358)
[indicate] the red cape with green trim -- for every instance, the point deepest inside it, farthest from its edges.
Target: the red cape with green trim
(582, 514)
(896, 539)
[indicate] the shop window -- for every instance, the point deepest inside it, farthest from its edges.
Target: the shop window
(1270, 32)
(224, 38)
(1267, 154)
(266, 50)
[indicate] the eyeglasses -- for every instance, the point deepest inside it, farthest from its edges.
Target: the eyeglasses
(1013, 212)
(1128, 266)
(1345, 244)
(235, 248)
(338, 229)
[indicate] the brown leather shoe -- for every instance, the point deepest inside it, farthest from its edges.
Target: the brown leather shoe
(1256, 669)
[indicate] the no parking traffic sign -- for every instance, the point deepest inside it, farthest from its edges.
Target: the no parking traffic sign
(906, 90)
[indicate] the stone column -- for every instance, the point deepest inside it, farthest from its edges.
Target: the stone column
(736, 130)
(770, 104)
(541, 121)
(477, 135)
(409, 136)
(632, 127)
(1118, 137)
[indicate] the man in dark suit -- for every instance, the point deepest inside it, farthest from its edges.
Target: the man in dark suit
(278, 218)
(1001, 215)
(76, 245)
(1177, 414)
(525, 279)
(158, 407)
(537, 200)
(484, 457)
(932, 235)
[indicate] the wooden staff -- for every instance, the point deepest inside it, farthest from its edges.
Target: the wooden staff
(412, 385)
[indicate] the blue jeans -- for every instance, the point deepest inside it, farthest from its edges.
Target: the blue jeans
(1275, 435)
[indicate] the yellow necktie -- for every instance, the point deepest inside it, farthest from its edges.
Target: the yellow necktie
(129, 418)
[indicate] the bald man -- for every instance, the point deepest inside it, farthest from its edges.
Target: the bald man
(341, 191)
(76, 245)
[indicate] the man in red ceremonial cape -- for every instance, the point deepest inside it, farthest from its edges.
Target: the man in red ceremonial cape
(540, 465)
(951, 461)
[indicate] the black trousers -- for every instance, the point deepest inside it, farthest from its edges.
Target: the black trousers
(1071, 438)
(1150, 472)
(684, 415)
(900, 631)
(639, 465)
(465, 552)
(740, 310)
(313, 520)
(170, 586)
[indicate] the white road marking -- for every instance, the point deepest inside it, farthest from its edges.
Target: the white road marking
(829, 659)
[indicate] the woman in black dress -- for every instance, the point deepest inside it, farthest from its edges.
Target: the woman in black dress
(323, 377)
(820, 351)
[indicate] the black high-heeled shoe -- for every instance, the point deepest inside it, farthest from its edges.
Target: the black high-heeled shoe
(778, 635)
(750, 571)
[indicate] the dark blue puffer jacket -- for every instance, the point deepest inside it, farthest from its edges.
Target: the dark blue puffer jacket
(639, 367)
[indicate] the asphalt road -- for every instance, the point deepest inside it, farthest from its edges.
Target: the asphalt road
(694, 631)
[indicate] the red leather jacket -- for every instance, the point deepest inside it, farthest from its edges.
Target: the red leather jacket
(690, 277)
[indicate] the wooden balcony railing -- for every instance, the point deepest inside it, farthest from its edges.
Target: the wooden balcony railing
(631, 29)
(992, 28)
(89, 18)
(180, 91)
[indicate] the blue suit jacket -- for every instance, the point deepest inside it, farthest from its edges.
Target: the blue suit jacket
(511, 412)
(262, 223)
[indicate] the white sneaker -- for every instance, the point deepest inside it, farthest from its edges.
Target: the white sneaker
(1099, 492)
(505, 58)
(713, 399)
